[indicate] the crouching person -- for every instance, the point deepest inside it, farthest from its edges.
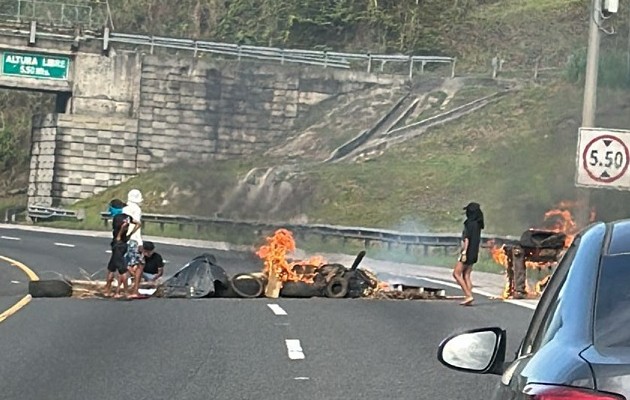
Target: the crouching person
(153, 263)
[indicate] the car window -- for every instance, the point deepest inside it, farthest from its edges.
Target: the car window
(549, 300)
(612, 302)
(548, 317)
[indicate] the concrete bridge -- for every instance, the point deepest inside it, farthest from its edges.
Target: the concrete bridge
(121, 111)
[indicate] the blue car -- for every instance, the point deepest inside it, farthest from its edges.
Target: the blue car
(577, 345)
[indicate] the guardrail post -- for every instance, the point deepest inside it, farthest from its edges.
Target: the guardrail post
(195, 50)
(152, 45)
(425, 250)
(282, 56)
(33, 33)
(181, 227)
(106, 32)
(239, 52)
(325, 59)
(198, 227)
(453, 67)
(162, 226)
(366, 243)
(369, 67)
(410, 67)
(424, 63)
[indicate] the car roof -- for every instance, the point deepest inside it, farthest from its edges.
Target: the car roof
(619, 238)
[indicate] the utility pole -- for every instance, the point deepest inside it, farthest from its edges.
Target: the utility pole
(590, 98)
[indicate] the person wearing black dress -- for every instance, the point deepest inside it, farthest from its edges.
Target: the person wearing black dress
(471, 241)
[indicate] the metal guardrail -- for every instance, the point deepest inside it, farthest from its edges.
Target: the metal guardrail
(326, 59)
(36, 213)
(323, 58)
(445, 241)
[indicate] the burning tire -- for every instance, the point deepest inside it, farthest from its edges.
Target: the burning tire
(300, 290)
(49, 288)
(337, 288)
(247, 286)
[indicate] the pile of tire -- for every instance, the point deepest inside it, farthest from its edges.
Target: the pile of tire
(334, 281)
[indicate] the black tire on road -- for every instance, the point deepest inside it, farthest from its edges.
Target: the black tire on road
(247, 286)
(50, 288)
(299, 290)
(337, 288)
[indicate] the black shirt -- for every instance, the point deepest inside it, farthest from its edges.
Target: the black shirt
(153, 263)
(472, 232)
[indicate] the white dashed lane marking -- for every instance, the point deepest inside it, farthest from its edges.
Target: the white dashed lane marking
(301, 378)
(9, 238)
(520, 303)
(64, 245)
(277, 309)
(294, 349)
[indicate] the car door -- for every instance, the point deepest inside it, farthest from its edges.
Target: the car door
(512, 383)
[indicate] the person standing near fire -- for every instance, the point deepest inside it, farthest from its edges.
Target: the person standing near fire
(471, 241)
(133, 257)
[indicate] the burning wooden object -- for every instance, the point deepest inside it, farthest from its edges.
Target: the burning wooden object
(537, 249)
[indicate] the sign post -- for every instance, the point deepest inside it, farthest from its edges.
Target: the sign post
(35, 66)
(603, 158)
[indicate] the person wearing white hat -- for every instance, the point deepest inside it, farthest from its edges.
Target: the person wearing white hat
(133, 256)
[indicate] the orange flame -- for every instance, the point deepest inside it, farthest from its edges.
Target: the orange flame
(274, 254)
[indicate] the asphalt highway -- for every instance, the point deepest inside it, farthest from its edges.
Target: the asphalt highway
(223, 348)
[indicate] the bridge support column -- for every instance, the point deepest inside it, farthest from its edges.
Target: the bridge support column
(75, 156)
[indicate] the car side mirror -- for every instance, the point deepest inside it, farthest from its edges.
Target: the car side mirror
(478, 351)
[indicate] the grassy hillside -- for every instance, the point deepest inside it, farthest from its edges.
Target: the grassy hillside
(516, 157)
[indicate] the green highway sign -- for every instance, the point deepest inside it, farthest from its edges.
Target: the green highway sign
(35, 65)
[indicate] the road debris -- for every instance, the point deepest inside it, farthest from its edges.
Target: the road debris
(280, 276)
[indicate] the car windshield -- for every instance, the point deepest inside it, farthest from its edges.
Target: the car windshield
(612, 307)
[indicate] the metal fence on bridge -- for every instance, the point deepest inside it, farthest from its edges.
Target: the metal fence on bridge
(94, 19)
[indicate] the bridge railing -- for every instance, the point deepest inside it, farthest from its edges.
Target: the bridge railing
(372, 63)
(322, 58)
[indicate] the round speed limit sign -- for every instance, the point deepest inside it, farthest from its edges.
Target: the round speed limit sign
(605, 158)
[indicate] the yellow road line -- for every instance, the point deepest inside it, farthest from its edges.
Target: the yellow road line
(16, 307)
(26, 299)
(29, 272)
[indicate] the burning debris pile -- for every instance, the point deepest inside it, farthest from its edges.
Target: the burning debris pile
(311, 277)
(280, 276)
(538, 250)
